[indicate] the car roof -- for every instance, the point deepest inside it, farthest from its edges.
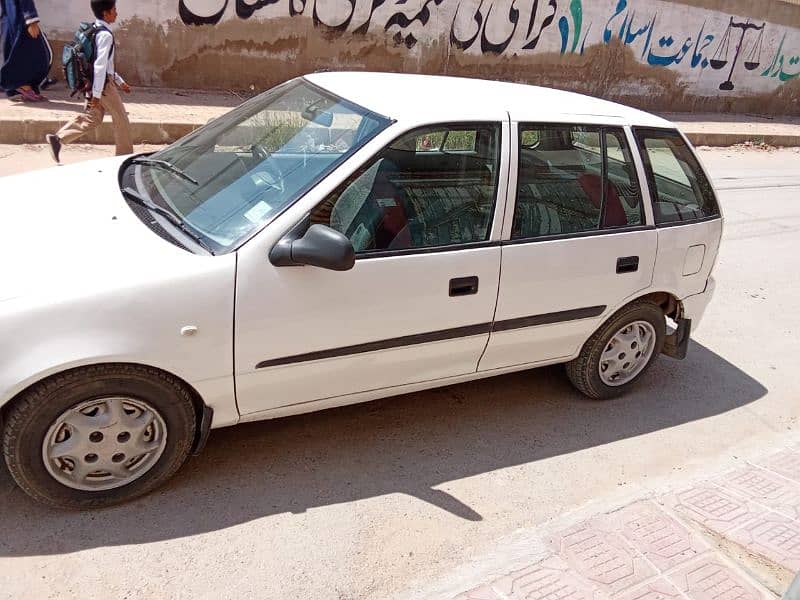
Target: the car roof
(427, 97)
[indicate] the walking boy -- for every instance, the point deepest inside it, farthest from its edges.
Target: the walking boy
(105, 90)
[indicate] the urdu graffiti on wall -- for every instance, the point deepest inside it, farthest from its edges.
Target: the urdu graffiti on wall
(731, 44)
(469, 23)
(663, 51)
(784, 67)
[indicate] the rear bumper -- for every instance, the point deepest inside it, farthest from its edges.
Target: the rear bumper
(694, 306)
(676, 343)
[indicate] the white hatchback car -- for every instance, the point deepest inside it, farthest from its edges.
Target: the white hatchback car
(339, 238)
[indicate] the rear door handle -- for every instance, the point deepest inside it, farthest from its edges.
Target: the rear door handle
(627, 264)
(463, 286)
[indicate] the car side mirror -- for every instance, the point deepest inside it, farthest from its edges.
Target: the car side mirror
(316, 246)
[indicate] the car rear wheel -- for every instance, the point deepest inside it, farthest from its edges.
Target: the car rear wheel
(98, 436)
(620, 352)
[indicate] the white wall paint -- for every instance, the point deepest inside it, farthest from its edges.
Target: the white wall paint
(661, 34)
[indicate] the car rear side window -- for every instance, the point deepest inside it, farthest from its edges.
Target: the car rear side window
(574, 179)
(430, 188)
(680, 189)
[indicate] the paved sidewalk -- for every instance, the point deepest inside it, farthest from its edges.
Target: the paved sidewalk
(728, 129)
(158, 116)
(735, 536)
(161, 115)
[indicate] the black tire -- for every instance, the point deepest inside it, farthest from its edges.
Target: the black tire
(584, 373)
(32, 414)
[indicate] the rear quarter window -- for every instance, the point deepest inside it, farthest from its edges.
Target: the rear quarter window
(679, 187)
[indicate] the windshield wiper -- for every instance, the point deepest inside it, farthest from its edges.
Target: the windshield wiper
(134, 196)
(166, 165)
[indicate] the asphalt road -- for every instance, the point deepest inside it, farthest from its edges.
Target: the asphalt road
(380, 499)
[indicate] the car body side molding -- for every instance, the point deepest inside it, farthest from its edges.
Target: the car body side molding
(549, 318)
(436, 336)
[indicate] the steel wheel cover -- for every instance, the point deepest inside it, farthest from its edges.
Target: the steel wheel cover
(104, 444)
(627, 353)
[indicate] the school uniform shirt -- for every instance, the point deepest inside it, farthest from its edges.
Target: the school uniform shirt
(104, 60)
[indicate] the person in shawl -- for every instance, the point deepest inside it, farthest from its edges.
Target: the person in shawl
(26, 54)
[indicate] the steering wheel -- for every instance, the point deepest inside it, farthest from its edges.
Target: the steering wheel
(268, 176)
(259, 152)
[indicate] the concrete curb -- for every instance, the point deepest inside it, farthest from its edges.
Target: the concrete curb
(14, 131)
(730, 139)
(142, 132)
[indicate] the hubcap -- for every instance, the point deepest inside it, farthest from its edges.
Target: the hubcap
(627, 353)
(104, 444)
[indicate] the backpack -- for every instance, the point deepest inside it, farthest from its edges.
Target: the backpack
(78, 58)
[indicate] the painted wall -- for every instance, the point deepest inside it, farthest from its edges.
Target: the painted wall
(657, 54)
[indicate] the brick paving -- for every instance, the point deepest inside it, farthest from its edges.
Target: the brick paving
(603, 558)
(664, 547)
(766, 488)
(785, 463)
(713, 507)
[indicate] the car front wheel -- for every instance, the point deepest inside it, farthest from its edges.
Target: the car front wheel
(98, 436)
(620, 352)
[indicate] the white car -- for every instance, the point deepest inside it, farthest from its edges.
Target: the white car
(339, 238)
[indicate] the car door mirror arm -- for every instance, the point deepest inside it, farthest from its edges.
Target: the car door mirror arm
(281, 253)
(315, 245)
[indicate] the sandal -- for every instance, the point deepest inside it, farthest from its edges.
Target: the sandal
(28, 95)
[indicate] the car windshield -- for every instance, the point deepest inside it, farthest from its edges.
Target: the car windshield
(229, 178)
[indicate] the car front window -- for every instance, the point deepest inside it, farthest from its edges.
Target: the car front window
(433, 187)
(241, 170)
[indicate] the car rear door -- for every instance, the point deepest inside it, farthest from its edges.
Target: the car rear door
(578, 240)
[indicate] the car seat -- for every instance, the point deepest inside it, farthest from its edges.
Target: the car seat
(388, 202)
(614, 213)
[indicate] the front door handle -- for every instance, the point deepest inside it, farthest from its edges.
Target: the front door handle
(463, 286)
(627, 264)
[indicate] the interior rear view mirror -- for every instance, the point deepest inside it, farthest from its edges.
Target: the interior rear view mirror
(320, 117)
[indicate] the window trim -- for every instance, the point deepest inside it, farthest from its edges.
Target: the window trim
(578, 234)
(687, 222)
(641, 175)
(602, 130)
(634, 173)
(458, 125)
(604, 178)
(429, 249)
(638, 133)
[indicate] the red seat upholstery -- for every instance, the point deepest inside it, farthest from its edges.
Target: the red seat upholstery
(614, 215)
(391, 230)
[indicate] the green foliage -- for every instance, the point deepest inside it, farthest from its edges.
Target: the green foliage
(278, 135)
(530, 138)
(454, 141)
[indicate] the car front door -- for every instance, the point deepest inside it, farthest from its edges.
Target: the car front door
(578, 243)
(424, 216)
